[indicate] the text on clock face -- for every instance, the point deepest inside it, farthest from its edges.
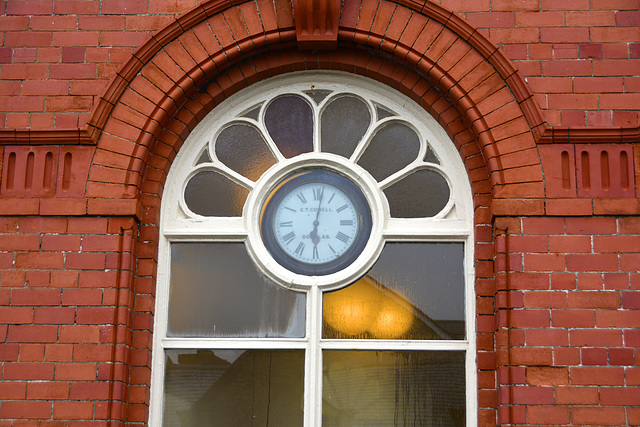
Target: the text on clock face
(316, 210)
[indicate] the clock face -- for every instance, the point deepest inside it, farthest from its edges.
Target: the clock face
(316, 222)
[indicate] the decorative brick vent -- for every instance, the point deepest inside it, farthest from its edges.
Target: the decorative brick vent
(583, 170)
(45, 171)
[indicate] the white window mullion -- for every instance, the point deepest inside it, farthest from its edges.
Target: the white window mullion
(424, 230)
(160, 330)
(470, 315)
(313, 360)
(205, 229)
(394, 345)
(232, 344)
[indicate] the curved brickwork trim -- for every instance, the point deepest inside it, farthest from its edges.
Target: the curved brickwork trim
(277, 26)
(433, 43)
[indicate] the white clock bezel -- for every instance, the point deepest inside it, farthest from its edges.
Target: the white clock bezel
(264, 186)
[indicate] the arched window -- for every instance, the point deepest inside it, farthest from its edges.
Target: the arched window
(316, 264)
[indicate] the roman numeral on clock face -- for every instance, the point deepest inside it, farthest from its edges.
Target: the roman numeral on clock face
(342, 237)
(302, 198)
(289, 237)
(300, 248)
(346, 222)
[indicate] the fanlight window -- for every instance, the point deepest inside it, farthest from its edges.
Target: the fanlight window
(386, 337)
(385, 145)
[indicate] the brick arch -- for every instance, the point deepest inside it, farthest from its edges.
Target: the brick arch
(177, 129)
(455, 73)
(427, 53)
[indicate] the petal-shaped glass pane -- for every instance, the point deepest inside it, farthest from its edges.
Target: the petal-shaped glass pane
(421, 194)
(414, 291)
(233, 388)
(393, 388)
(216, 291)
(392, 148)
(209, 193)
(243, 149)
(289, 120)
(344, 123)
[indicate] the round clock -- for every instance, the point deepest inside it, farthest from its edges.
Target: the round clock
(315, 222)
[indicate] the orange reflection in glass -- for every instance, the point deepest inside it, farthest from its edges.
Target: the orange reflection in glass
(393, 320)
(366, 309)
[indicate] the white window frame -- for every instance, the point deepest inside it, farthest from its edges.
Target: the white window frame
(454, 224)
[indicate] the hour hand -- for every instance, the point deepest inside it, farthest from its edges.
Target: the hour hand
(315, 239)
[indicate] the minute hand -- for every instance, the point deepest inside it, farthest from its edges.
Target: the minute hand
(315, 239)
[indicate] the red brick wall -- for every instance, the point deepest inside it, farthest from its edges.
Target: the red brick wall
(65, 295)
(557, 257)
(581, 58)
(568, 300)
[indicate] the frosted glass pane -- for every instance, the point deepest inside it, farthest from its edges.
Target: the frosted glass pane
(392, 148)
(414, 291)
(208, 193)
(230, 388)
(253, 114)
(318, 95)
(422, 194)
(216, 291)
(382, 113)
(289, 120)
(344, 123)
(393, 388)
(242, 148)
(431, 157)
(204, 158)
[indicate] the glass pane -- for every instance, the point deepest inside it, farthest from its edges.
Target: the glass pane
(422, 194)
(392, 148)
(253, 113)
(230, 388)
(289, 120)
(242, 148)
(216, 291)
(344, 123)
(393, 388)
(209, 193)
(382, 113)
(204, 158)
(318, 95)
(414, 291)
(431, 157)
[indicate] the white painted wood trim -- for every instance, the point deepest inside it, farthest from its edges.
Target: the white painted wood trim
(454, 223)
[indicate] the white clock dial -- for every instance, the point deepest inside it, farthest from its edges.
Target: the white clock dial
(315, 223)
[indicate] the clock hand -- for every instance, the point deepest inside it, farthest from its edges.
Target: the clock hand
(315, 239)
